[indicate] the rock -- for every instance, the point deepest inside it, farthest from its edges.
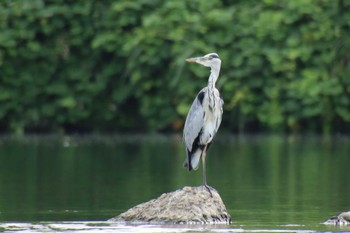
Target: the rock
(342, 219)
(189, 205)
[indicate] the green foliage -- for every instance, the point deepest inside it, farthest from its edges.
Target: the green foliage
(119, 65)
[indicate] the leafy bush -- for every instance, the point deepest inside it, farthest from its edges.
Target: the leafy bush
(91, 66)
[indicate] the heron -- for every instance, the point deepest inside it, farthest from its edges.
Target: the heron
(204, 117)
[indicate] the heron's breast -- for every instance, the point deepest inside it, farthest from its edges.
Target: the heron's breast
(209, 126)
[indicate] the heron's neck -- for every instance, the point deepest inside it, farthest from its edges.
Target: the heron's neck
(214, 74)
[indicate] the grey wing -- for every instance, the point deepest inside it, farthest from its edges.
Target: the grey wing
(194, 122)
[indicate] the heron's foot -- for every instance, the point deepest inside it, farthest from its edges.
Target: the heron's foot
(208, 188)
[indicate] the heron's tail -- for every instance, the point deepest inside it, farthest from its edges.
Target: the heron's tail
(192, 160)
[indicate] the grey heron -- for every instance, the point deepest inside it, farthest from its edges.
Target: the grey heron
(204, 117)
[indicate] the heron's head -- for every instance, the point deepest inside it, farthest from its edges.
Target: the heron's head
(210, 60)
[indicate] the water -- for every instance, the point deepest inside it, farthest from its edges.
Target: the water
(268, 183)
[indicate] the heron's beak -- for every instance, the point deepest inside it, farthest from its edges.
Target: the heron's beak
(194, 59)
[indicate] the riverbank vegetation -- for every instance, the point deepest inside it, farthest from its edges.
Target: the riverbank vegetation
(118, 66)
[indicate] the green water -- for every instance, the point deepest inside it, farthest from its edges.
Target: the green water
(266, 182)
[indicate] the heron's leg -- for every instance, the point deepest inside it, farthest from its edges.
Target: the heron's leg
(204, 154)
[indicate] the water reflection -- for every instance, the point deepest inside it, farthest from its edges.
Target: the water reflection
(263, 180)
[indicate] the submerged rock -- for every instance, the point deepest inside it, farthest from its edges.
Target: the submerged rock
(342, 219)
(189, 205)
